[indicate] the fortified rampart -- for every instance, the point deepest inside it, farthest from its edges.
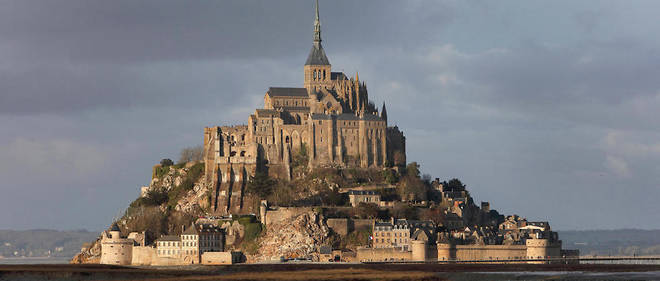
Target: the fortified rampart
(420, 251)
(533, 249)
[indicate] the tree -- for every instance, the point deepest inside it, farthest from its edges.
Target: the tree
(412, 189)
(413, 169)
(260, 184)
(366, 210)
(190, 154)
(454, 185)
(390, 176)
(166, 162)
(301, 158)
(404, 211)
(434, 214)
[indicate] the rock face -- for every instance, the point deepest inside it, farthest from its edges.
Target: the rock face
(299, 236)
(92, 254)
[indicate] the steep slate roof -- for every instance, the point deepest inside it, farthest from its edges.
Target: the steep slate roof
(337, 76)
(317, 116)
(170, 238)
(347, 116)
(372, 117)
(192, 230)
(325, 249)
(115, 227)
(287, 92)
(317, 56)
(362, 192)
(267, 112)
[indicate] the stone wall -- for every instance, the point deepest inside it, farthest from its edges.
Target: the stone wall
(382, 254)
(220, 258)
(480, 252)
(361, 224)
(143, 255)
(284, 213)
(339, 226)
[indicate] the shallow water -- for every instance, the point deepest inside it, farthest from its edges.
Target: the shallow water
(34, 260)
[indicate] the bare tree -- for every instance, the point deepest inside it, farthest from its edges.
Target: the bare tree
(190, 154)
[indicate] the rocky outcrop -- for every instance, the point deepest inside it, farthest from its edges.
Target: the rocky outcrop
(298, 236)
(91, 254)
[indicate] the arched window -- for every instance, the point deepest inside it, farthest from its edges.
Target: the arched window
(287, 139)
(314, 74)
(324, 74)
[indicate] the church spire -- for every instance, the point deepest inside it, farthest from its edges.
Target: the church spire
(383, 113)
(317, 54)
(317, 26)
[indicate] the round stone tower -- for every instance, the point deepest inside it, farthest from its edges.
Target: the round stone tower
(542, 249)
(419, 250)
(114, 249)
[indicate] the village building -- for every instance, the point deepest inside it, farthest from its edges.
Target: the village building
(399, 233)
(356, 197)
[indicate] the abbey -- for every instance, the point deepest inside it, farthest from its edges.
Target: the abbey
(330, 120)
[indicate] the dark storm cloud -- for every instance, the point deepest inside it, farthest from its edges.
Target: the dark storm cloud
(89, 54)
(131, 31)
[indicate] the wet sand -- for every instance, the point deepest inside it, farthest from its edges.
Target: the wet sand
(334, 272)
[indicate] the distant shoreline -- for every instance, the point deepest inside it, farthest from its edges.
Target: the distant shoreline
(33, 260)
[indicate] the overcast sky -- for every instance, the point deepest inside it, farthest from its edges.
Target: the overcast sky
(546, 109)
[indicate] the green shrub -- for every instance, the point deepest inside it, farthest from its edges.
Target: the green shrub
(246, 220)
(162, 171)
(252, 231)
(166, 162)
(260, 185)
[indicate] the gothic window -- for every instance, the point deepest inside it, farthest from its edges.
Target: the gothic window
(287, 139)
(314, 74)
(324, 74)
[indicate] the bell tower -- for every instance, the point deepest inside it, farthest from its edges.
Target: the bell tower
(317, 67)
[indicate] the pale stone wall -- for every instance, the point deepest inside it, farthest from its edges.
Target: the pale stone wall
(383, 254)
(143, 255)
(283, 213)
(219, 258)
(480, 252)
(339, 226)
(166, 261)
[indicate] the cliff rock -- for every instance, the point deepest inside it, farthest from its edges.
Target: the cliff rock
(91, 254)
(298, 236)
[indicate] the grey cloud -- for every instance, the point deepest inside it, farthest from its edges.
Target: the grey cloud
(525, 118)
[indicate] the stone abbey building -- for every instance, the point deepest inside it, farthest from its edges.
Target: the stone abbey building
(330, 119)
